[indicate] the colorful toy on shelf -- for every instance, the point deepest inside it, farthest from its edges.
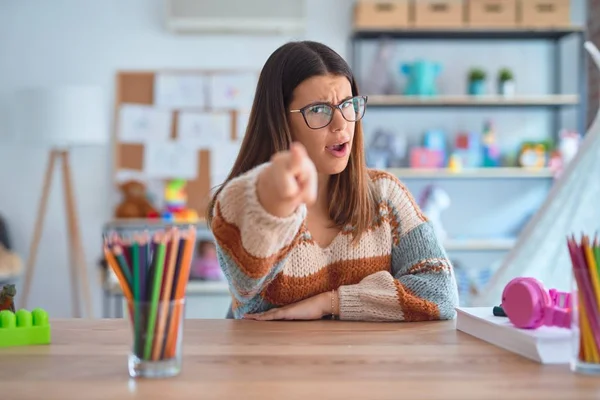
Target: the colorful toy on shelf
(568, 145)
(206, 265)
(386, 150)
(176, 203)
(421, 157)
(533, 155)
(433, 201)
(24, 328)
(421, 78)
(491, 152)
(435, 140)
(467, 147)
(455, 163)
(7, 297)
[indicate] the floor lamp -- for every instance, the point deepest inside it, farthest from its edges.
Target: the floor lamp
(61, 119)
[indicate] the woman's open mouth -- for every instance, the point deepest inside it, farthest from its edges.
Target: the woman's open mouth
(338, 150)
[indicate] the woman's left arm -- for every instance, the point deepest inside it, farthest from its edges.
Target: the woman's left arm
(421, 286)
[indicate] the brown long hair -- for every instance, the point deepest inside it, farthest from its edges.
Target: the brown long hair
(350, 193)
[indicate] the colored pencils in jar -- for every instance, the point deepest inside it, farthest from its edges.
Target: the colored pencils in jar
(153, 273)
(585, 260)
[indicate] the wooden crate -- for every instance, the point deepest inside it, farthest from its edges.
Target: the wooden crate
(381, 14)
(439, 14)
(544, 13)
(492, 13)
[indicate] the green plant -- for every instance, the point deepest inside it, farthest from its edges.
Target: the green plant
(505, 74)
(477, 74)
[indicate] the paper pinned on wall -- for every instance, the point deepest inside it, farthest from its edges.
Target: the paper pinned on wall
(142, 124)
(170, 159)
(222, 159)
(204, 130)
(173, 90)
(241, 124)
(232, 90)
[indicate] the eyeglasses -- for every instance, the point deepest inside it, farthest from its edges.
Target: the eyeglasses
(319, 115)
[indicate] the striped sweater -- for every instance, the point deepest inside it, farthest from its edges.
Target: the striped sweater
(398, 271)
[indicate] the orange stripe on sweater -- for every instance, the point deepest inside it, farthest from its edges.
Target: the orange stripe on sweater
(288, 289)
(230, 239)
(413, 307)
(430, 265)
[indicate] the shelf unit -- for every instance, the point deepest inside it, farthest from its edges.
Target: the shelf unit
(555, 101)
(479, 244)
(472, 173)
(473, 101)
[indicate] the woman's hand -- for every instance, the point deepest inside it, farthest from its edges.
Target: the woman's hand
(315, 307)
(290, 180)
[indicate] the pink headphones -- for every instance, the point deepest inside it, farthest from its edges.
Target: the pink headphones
(528, 305)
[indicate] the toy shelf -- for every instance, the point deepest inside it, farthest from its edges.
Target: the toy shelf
(469, 33)
(472, 173)
(520, 101)
(479, 244)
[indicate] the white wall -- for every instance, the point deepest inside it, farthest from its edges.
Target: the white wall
(87, 41)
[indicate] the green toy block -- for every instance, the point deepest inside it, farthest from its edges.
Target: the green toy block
(24, 328)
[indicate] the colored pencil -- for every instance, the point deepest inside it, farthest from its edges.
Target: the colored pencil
(154, 297)
(585, 262)
(153, 272)
(183, 275)
(165, 295)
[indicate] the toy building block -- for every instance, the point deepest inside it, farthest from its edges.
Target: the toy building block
(24, 328)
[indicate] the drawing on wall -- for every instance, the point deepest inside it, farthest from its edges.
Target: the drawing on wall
(232, 90)
(173, 90)
(204, 130)
(143, 124)
(170, 159)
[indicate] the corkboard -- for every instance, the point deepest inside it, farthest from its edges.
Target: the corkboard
(134, 87)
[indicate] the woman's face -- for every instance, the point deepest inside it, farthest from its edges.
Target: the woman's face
(328, 147)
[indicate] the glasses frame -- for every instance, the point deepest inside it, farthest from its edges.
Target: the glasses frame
(334, 106)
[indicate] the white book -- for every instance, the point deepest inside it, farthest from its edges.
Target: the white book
(546, 345)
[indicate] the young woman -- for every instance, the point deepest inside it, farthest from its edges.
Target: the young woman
(303, 229)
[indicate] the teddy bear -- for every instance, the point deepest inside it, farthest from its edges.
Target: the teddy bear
(135, 203)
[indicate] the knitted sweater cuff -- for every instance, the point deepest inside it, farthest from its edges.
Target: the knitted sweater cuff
(351, 307)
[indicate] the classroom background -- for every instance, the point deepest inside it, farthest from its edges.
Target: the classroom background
(478, 106)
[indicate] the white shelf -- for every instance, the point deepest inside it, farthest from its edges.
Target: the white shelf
(472, 173)
(473, 101)
(194, 287)
(479, 244)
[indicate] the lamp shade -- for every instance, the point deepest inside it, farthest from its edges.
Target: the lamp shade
(61, 116)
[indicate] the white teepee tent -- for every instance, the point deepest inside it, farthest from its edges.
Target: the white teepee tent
(572, 207)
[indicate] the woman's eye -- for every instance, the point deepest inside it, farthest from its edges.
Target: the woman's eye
(318, 109)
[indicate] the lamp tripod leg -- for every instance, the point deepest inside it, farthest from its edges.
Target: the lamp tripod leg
(77, 258)
(37, 232)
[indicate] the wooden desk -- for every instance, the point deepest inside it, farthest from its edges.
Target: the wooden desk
(228, 359)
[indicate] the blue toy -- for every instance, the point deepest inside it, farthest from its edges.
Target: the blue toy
(421, 76)
(436, 140)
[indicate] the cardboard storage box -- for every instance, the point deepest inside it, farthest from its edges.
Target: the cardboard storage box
(381, 14)
(492, 13)
(439, 14)
(544, 13)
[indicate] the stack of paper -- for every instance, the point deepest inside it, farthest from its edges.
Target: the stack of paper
(546, 345)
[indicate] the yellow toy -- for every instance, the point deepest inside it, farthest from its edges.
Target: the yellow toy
(175, 203)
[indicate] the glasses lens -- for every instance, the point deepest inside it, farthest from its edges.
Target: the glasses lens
(354, 108)
(318, 115)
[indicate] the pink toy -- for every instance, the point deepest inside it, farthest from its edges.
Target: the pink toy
(528, 305)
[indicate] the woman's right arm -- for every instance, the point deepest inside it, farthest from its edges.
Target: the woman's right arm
(257, 220)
